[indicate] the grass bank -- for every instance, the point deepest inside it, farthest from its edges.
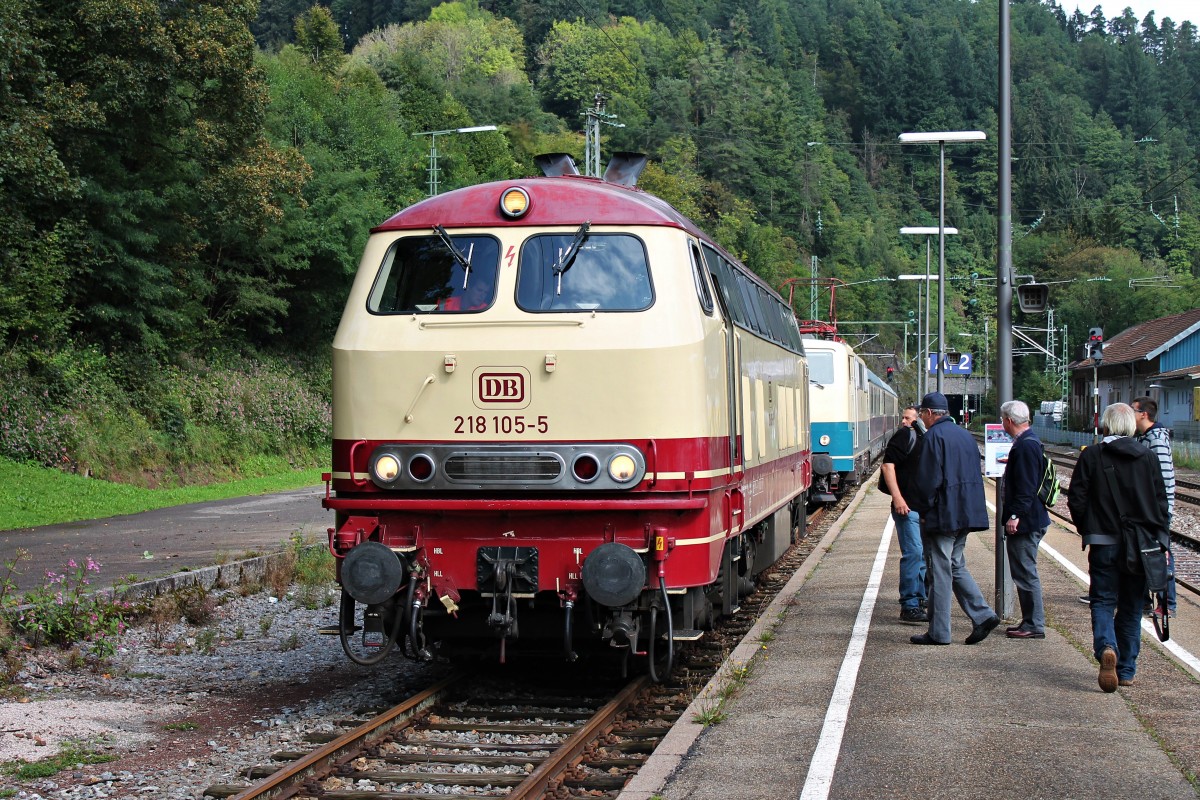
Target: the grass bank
(32, 496)
(86, 434)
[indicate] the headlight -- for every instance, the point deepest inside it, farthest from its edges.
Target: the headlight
(825, 440)
(514, 202)
(386, 468)
(622, 468)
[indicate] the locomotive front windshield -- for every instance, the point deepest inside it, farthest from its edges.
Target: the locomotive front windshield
(422, 274)
(584, 271)
(820, 367)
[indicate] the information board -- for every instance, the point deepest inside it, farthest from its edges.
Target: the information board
(996, 444)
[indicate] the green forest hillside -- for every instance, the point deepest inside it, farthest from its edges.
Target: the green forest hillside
(185, 187)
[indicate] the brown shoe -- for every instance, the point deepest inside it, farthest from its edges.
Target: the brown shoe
(1125, 682)
(1108, 670)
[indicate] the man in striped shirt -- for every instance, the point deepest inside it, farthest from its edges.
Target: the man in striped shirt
(1158, 439)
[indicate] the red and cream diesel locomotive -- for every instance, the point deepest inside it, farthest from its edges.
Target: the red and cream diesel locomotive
(560, 413)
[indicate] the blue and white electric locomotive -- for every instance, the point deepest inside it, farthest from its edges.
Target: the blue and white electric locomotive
(853, 412)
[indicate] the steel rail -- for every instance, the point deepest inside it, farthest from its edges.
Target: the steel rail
(288, 781)
(562, 758)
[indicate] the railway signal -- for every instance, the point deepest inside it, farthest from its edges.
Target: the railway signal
(1095, 344)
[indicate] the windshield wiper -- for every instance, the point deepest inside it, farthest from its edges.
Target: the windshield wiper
(464, 261)
(567, 257)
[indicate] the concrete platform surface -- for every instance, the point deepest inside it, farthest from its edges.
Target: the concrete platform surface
(822, 713)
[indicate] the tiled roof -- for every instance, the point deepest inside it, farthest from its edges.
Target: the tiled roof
(1145, 339)
(1186, 372)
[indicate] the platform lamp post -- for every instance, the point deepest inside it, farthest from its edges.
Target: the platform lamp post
(433, 152)
(941, 137)
(923, 381)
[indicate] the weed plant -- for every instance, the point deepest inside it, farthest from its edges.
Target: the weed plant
(196, 605)
(72, 753)
(206, 641)
(279, 573)
(164, 611)
(180, 726)
(302, 563)
(62, 611)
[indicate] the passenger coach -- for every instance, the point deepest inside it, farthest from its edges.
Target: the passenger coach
(561, 412)
(853, 413)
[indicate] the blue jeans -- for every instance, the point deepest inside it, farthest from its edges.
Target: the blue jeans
(1022, 551)
(912, 559)
(1114, 591)
(951, 578)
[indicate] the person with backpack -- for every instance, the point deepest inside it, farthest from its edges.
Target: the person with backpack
(1118, 503)
(1025, 518)
(896, 479)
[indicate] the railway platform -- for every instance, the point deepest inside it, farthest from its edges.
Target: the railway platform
(826, 697)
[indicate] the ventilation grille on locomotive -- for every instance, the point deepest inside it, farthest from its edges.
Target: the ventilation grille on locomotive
(516, 467)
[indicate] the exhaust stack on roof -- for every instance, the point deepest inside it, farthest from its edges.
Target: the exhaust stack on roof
(625, 168)
(554, 165)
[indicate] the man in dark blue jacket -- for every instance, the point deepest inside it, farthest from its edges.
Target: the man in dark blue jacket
(950, 500)
(1025, 518)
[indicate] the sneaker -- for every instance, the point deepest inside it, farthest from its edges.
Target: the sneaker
(913, 615)
(1108, 670)
(1085, 599)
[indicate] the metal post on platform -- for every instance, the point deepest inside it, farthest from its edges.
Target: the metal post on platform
(1004, 584)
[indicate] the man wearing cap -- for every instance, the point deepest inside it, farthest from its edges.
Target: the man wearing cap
(949, 497)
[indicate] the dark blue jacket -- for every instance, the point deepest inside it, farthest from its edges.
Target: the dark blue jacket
(949, 484)
(1022, 475)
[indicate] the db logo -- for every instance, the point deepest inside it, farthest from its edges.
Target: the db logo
(503, 387)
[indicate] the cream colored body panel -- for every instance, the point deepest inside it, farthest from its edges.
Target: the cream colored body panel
(655, 374)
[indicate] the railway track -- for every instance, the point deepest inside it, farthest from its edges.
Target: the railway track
(471, 736)
(479, 738)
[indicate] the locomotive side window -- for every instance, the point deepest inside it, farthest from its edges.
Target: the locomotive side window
(421, 274)
(706, 298)
(749, 301)
(723, 275)
(751, 305)
(603, 272)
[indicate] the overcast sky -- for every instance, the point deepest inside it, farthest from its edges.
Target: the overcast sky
(1177, 10)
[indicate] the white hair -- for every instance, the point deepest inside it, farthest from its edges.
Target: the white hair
(1016, 412)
